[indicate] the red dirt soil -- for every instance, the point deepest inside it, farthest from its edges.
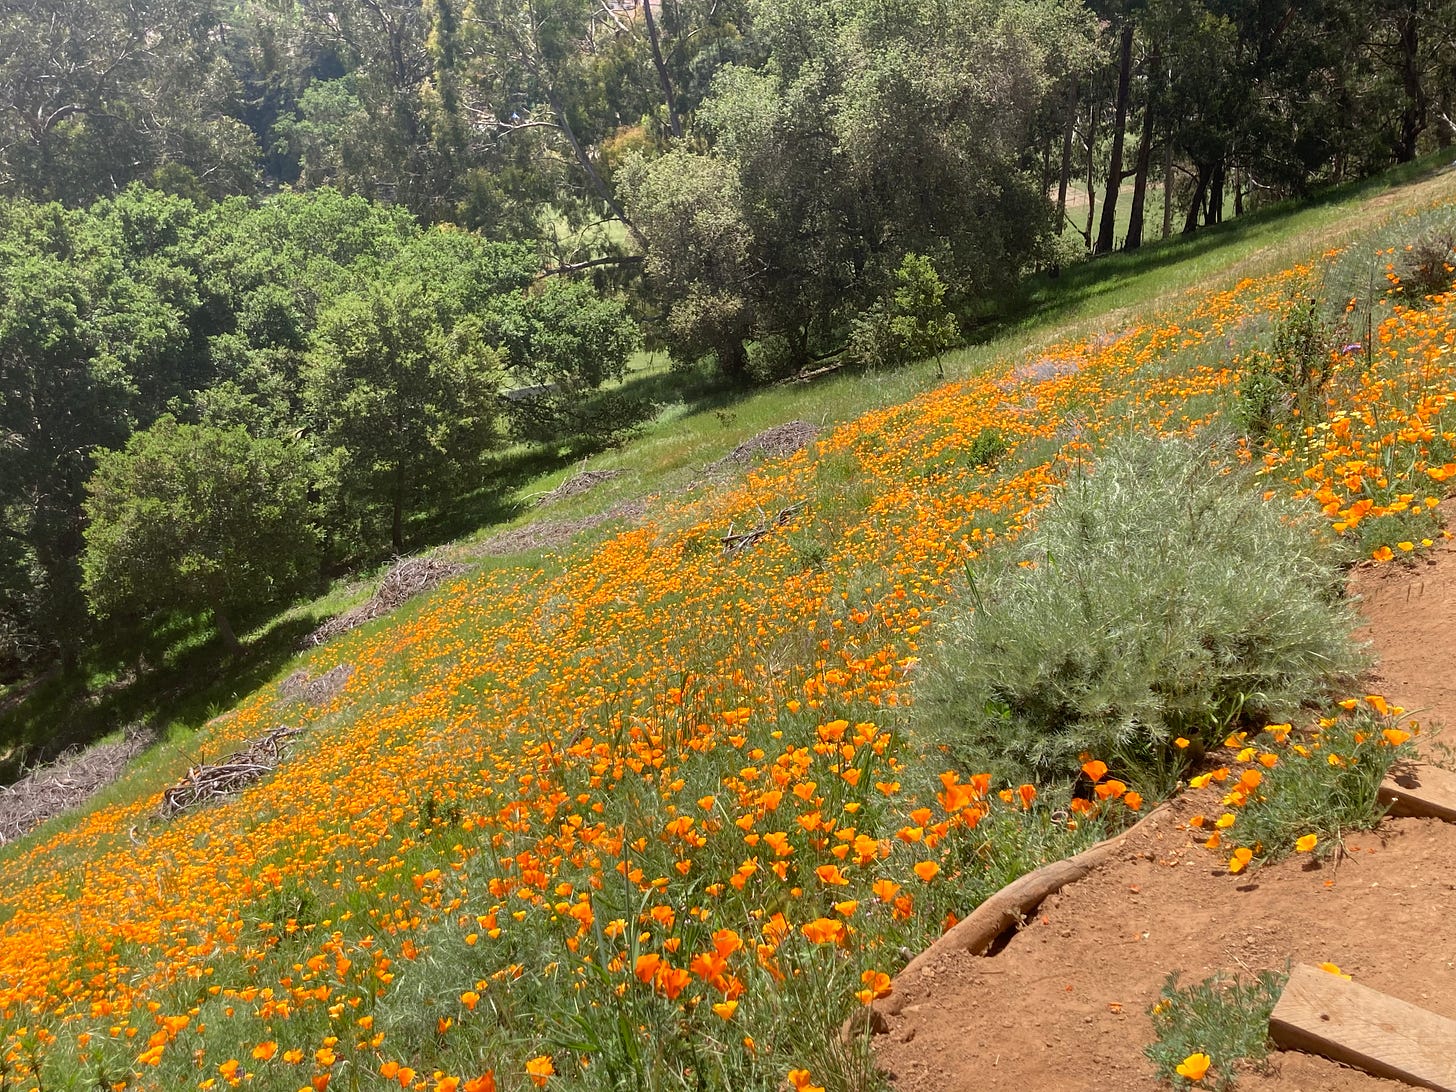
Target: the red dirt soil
(1064, 1006)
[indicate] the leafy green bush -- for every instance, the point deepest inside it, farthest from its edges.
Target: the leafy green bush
(909, 322)
(987, 448)
(1211, 1026)
(190, 518)
(1289, 378)
(1159, 597)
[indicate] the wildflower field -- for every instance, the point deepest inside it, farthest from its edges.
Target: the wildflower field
(649, 816)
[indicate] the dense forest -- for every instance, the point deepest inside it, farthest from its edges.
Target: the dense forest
(278, 274)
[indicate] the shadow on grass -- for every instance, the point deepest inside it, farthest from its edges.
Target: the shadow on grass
(192, 680)
(698, 388)
(1046, 298)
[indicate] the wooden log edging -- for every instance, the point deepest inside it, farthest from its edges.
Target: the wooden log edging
(1010, 906)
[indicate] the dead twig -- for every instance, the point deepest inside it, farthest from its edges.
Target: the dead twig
(576, 485)
(778, 442)
(736, 543)
(315, 691)
(408, 578)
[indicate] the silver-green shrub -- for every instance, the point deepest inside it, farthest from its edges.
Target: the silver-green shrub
(1160, 597)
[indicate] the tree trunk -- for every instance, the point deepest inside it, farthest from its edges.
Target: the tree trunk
(1215, 195)
(1195, 207)
(674, 122)
(733, 359)
(60, 614)
(558, 110)
(1168, 186)
(1066, 173)
(1092, 108)
(1107, 231)
(225, 629)
(396, 529)
(1144, 161)
(1413, 117)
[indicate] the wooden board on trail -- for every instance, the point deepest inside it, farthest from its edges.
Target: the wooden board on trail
(1414, 788)
(1322, 1013)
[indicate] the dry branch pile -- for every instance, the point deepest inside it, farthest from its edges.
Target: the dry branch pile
(408, 578)
(71, 779)
(778, 442)
(546, 534)
(576, 485)
(300, 687)
(220, 779)
(735, 543)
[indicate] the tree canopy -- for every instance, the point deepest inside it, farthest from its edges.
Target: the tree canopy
(378, 351)
(190, 518)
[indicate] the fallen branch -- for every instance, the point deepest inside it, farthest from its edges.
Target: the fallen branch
(568, 268)
(736, 543)
(1011, 906)
(203, 783)
(809, 376)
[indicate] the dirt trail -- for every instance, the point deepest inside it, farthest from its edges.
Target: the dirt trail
(1064, 1005)
(1410, 614)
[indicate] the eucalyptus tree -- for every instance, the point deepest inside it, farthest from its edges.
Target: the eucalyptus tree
(96, 94)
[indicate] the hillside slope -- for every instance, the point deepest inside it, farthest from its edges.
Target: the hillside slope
(644, 815)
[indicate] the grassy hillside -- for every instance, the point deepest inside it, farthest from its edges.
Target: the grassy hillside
(647, 812)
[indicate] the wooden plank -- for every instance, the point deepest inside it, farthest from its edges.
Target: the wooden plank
(1322, 1013)
(1414, 788)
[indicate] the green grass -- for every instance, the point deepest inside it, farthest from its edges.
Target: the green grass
(1223, 1019)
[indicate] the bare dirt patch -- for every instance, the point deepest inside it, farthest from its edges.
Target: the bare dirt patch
(1064, 1006)
(1410, 622)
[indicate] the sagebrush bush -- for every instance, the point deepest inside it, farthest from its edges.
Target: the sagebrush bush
(1429, 263)
(1160, 596)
